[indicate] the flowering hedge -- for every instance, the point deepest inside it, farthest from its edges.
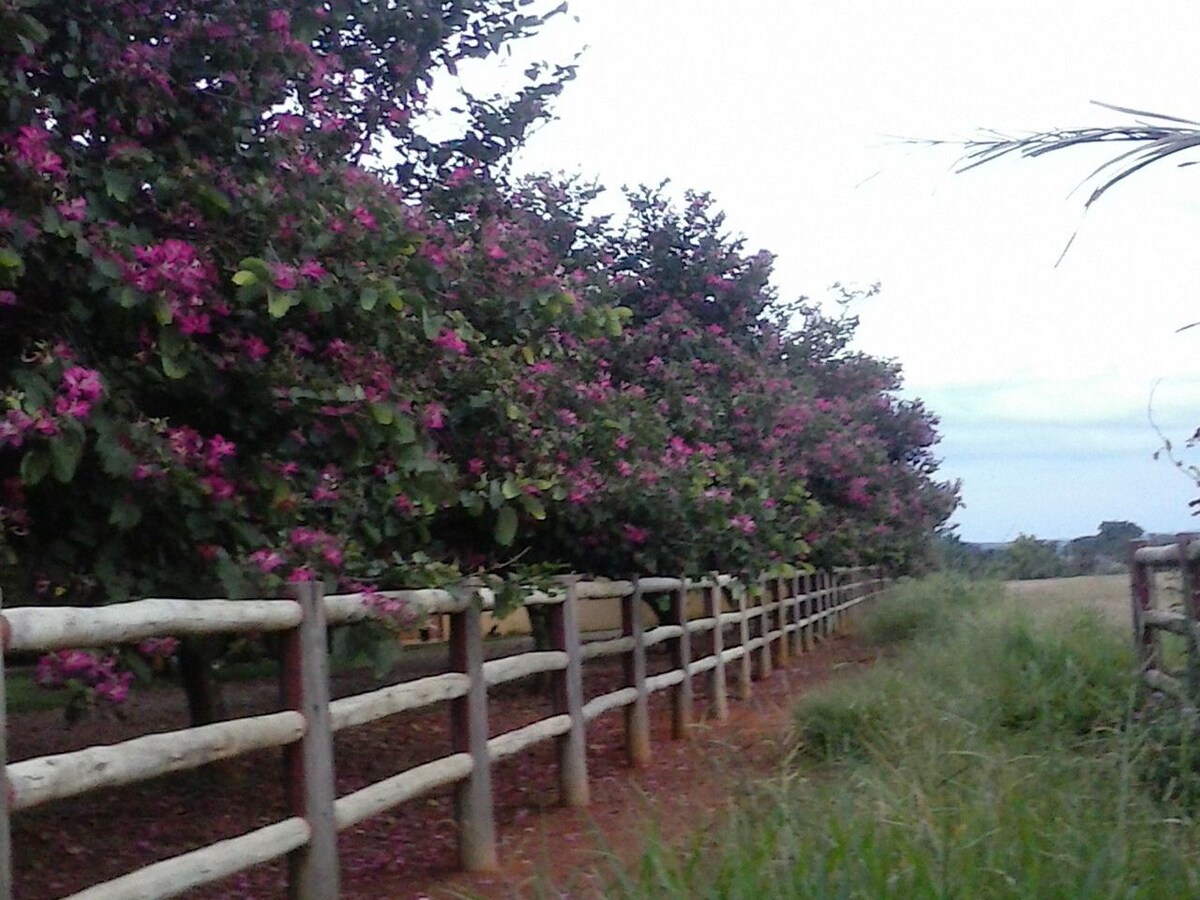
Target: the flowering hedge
(236, 349)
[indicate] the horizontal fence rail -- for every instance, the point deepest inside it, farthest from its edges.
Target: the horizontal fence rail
(1150, 620)
(788, 616)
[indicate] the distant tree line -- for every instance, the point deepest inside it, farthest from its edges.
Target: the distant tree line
(1026, 557)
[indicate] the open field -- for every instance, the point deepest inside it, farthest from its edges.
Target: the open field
(1107, 593)
(994, 751)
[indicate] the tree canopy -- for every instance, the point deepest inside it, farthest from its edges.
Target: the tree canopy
(255, 326)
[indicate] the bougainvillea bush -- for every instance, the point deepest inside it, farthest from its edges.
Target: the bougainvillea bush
(255, 327)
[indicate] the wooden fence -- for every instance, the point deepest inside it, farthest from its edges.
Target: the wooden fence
(787, 616)
(1150, 618)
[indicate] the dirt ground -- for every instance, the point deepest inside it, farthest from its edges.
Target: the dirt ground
(411, 851)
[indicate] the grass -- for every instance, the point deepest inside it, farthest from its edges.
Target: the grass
(993, 752)
(23, 695)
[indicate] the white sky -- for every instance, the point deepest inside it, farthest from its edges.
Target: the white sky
(788, 112)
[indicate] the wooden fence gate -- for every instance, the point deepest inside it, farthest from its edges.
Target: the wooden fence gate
(1160, 671)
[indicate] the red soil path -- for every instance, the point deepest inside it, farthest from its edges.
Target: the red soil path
(411, 851)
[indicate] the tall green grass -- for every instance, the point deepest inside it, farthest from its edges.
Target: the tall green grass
(993, 754)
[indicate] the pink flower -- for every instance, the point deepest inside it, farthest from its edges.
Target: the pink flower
(450, 340)
(363, 217)
(74, 210)
(218, 449)
(743, 523)
(72, 409)
(289, 123)
(279, 20)
(459, 177)
(158, 648)
(635, 535)
(283, 276)
(475, 466)
(312, 270)
(8, 298)
(33, 150)
(115, 689)
(267, 560)
(82, 383)
(433, 416)
(255, 348)
(218, 487)
(194, 323)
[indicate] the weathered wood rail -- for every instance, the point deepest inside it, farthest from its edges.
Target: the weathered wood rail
(1150, 620)
(789, 615)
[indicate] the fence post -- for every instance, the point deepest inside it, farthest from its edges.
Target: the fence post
(797, 616)
(469, 734)
(720, 698)
(817, 602)
(6, 885)
(826, 604)
(312, 869)
(1145, 640)
(783, 604)
(764, 628)
(806, 610)
(637, 714)
(839, 598)
(1189, 571)
(568, 699)
(739, 593)
(681, 658)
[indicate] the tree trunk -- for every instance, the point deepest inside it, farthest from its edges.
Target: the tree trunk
(539, 629)
(205, 700)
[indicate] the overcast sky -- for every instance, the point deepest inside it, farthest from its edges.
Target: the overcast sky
(792, 113)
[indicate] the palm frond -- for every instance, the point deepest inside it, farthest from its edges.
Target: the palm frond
(1156, 135)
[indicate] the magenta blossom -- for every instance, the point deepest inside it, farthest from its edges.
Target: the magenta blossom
(450, 340)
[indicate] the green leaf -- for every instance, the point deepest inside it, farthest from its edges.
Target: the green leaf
(527, 354)
(431, 324)
(118, 185)
(368, 298)
(509, 489)
(31, 30)
(124, 514)
(244, 277)
(162, 313)
(212, 200)
(65, 453)
(34, 467)
(383, 413)
(279, 302)
(385, 653)
(258, 266)
(138, 666)
(173, 367)
(534, 507)
(406, 432)
(233, 579)
(506, 526)
(11, 259)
